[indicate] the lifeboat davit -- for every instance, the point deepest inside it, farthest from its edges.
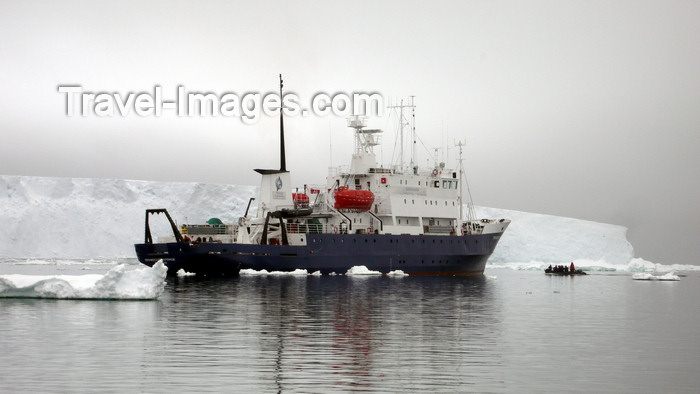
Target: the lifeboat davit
(360, 200)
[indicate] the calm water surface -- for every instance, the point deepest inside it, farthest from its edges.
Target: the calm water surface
(508, 331)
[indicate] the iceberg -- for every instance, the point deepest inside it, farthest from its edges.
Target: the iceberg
(547, 239)
(78, 218)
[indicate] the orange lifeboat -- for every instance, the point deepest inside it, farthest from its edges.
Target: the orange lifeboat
(300, 199)
(360, 200)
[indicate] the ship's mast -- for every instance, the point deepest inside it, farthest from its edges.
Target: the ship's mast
(459, 198)
(413, 133)
(275, 192)
(471, 215)
(283, 161)
(402, 123)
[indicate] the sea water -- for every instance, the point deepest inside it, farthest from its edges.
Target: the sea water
(506, 331)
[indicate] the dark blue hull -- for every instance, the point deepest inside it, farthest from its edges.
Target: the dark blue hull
(328, 253)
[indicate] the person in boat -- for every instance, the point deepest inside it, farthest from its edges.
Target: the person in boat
(549, 268)
(572, 268)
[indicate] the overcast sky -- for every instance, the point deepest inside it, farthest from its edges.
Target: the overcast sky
(588, 109)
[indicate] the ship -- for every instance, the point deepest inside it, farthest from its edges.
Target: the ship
(388, 219)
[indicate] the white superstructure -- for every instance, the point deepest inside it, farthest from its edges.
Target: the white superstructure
(364, 198)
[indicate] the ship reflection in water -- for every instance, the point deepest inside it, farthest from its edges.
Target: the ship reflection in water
(376, 334)
(340, 333)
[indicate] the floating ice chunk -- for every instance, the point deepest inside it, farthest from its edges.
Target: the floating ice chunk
(361, 270)
(118, 283)
(252, 272)
(638, 264)
(668, 276)
(397, 273)
(181, 272)
(296, 272)
(647, 276)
